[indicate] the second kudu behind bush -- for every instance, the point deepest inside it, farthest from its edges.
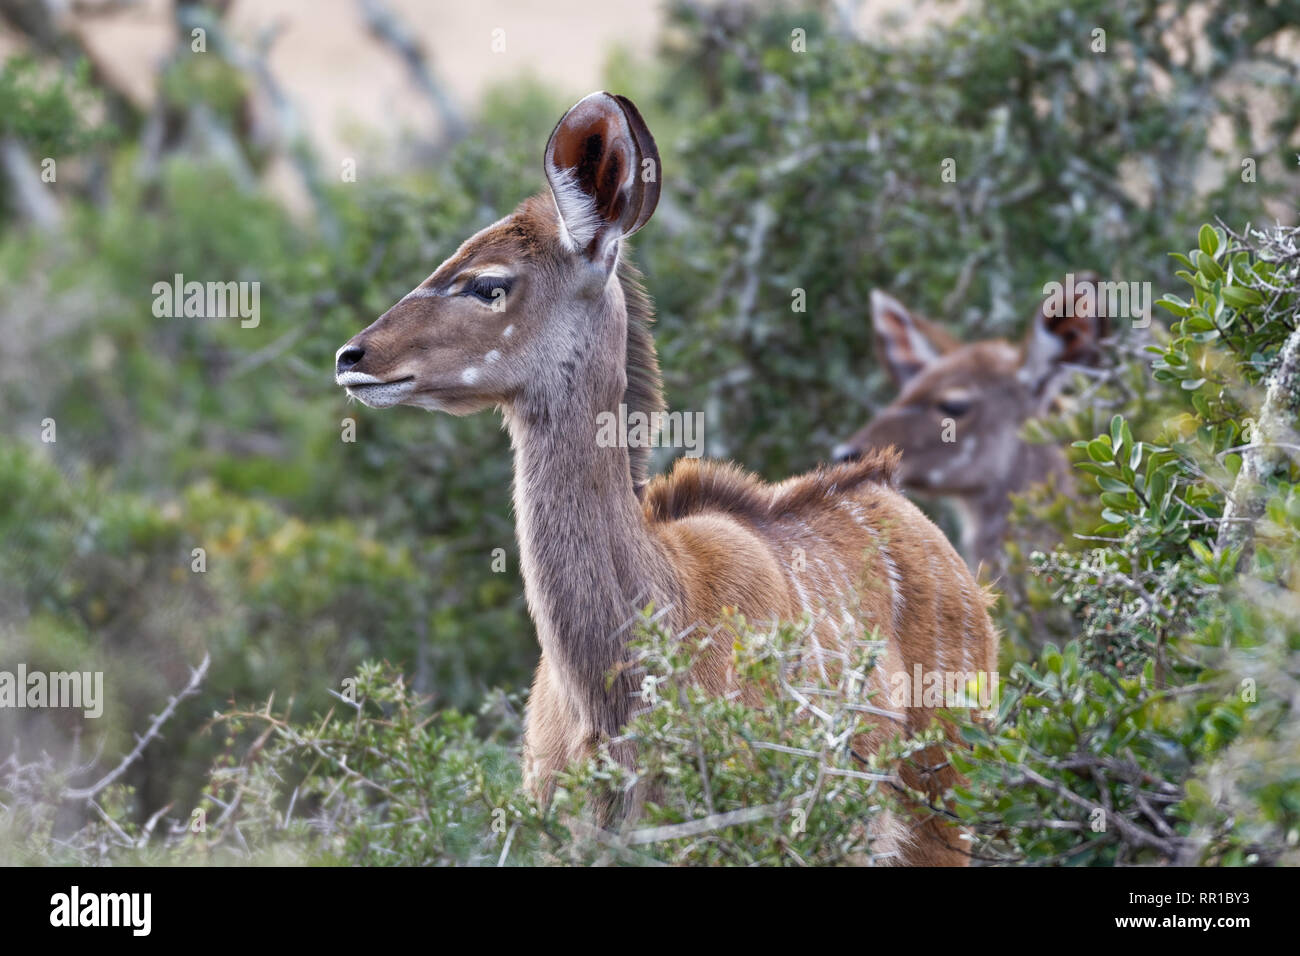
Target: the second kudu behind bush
(960, 410)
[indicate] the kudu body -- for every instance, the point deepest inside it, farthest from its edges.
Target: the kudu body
(960, 411)
(569, 340)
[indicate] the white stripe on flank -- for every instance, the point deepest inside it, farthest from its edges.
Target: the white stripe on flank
(798, 541)
(856, 512)
(895, 580)
(821, 616)
(799, 589)
(859, 515)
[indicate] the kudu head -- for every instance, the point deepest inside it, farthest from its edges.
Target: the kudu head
(960, 408)
(526, 306)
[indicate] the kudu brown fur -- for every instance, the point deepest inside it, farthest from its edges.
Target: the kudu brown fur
(541, 315)
(961, 409)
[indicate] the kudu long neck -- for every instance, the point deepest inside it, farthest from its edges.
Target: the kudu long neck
(589, 562)
(986, 512)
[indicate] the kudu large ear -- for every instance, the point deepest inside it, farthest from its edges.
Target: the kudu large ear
(1066, 330)
(905, 343)
(603, 168)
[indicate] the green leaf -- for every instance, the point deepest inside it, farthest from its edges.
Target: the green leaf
(1174, 304)
(1208, 267)
(1099, 450)
(1208, 240)
(1115, 500)
(1241, 297)
(1106, 470)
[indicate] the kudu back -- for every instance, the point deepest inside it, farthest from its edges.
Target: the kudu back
(961, 408)
(541, 315)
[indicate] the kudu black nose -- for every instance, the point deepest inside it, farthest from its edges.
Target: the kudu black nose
(349, 357)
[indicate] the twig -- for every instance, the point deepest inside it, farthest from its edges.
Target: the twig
(196, 678)
(385, 26)
(715, 821)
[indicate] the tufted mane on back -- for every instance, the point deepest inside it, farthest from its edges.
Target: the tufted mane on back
(698, 487)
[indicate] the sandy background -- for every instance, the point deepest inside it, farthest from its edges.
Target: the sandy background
(343, 80)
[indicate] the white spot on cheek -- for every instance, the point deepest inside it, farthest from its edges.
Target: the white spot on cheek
(469, 376)
(510, 330)
(491, 356)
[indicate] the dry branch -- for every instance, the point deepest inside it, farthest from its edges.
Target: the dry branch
(143, 740)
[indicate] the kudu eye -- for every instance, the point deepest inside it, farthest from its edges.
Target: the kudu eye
(844, 452)
(954, 406)
(487, 289)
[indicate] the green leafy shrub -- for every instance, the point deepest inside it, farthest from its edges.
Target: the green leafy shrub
(770, 777)
(381, 779)
(817, 171)
(1165, 731)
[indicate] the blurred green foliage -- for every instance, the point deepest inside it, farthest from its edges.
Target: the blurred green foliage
(46, 109)
(818, 171)
(823, 171)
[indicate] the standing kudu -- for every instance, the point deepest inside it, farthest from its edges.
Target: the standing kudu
(541, 315)
(960, 410)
